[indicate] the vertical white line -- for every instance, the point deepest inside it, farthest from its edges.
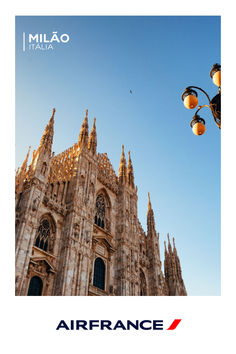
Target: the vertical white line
(23, 41)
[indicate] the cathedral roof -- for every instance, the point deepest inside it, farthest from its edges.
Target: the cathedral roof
(106, 173)
(62, 166)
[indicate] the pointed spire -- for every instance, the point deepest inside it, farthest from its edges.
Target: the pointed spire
(83, 135)
(149, 202)
(21, 173)
(150, 218)
(92, 142)
(150, 212)
(122, 167)
(24, 165)
(173, 272)
(177, 261)
(47, 138)
(44, 151)
(169, 244)
(165, 248)
(174, 248)
(166, 262)
(130, 172)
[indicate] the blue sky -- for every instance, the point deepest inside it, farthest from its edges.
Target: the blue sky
(155, 57)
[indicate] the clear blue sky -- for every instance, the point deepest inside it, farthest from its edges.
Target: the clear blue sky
(155, 57)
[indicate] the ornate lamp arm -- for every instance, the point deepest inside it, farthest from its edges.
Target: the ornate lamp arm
(190, 100)
(199, 88)
(211, 105)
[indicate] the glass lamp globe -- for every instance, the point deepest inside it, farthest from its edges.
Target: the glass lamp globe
(215, 74)
(198, 125)
(217, 78)
(198, 129)
(189, 98)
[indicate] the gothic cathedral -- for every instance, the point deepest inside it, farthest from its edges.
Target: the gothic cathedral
(77, 228)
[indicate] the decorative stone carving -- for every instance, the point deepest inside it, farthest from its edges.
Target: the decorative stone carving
(35, 204)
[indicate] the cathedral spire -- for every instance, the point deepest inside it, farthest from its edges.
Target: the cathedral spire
(169, 244)
(42, 156)
(177, 261)
(150, 218)
(24, 165)
(130, 172)
(122, 167)
(21, 173)
(165, 248)
(17, 171)
(47, 138)
(83, 135)
(92, 142)
(174, 248)
(149, 203)
(173, 272)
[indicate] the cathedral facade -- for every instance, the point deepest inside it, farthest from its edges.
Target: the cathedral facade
(77, 228)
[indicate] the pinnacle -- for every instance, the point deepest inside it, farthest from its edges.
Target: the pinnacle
(83, 135)
(149, 202)
(24, 164)
(169, 244)
(92, 142)
(129, 161)
(51, 121)
(122, 167)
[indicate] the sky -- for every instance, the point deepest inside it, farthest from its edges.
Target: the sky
(156, 58)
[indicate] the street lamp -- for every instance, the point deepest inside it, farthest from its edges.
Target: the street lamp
(190, 99)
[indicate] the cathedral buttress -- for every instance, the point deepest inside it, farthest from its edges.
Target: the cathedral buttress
(127, 240)
(31, 197)
(156, 279)
(74, 264)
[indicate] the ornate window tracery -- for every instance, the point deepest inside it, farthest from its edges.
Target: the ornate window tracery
(44, 236)
(99, 273)
(100, 211)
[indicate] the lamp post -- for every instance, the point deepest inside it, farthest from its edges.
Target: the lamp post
(190, 99)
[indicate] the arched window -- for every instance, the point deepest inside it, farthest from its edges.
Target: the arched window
(99, 274)
(44, 168)
(43, 235)
(143, 284)
(100, 211)
(35, 287)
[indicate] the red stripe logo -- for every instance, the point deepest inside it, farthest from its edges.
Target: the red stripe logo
(174, 324)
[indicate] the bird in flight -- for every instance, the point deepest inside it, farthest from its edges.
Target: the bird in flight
(130, 91)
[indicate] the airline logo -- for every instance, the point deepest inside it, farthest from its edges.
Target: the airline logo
(127, 325)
